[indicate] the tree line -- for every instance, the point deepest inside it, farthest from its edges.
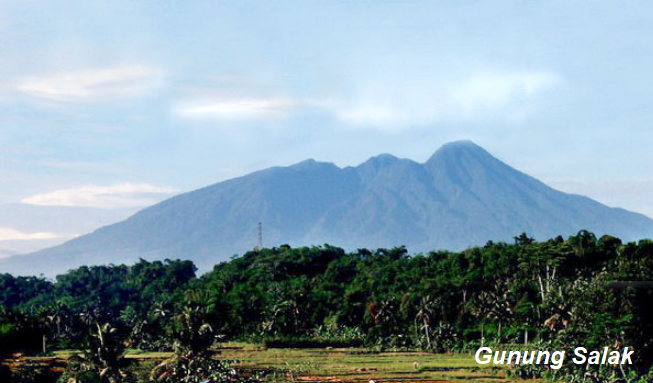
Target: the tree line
(555, 294)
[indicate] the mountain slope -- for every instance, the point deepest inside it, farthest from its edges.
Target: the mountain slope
(462, 196)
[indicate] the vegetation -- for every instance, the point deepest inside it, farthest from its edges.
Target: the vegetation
(556, 294)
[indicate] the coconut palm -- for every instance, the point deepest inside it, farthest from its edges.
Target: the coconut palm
(104, 357)
(425, 313)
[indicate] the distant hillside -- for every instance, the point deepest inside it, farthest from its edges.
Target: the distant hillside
(461, 196)
(6, 252)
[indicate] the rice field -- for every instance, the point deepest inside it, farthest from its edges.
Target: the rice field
(356, 365)
(333, 365)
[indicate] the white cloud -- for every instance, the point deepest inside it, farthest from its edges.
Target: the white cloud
(384, 114)
(7, 234)
(236, 109)
(115, 196)
(491, 91)
(398, 105)
(123, 81)
(478, 97)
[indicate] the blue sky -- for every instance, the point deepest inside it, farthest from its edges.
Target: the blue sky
(115, 105)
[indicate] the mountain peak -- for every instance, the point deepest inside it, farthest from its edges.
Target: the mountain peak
(382, 160)
(466, 145)
(462, 144)
(311, 164)
(457, 149)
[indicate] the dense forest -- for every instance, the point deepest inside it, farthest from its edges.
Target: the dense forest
(556, 294)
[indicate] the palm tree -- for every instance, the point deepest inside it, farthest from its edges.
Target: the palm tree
(481, 307)
(501, 307)
(192, 337)
(425, 313)
(583, 242)
(105, 356)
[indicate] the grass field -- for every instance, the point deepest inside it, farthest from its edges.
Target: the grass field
(353, 365)
(337, 365)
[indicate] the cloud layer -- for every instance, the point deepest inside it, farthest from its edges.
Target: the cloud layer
(7, 234)
(476, 97)
(88, 85)
(492, 91)
(115, 196)
(236, 109)
(397, 105)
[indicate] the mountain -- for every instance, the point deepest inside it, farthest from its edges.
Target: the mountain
(462, 196)
(6, 253)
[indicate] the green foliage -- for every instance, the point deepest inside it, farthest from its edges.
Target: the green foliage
(193, 336)
(558, 293)
(199, 370)
(32, 374)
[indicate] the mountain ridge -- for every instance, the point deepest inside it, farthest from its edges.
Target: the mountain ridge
(460, 197)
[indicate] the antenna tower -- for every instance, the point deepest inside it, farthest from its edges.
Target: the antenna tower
(259, 237)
